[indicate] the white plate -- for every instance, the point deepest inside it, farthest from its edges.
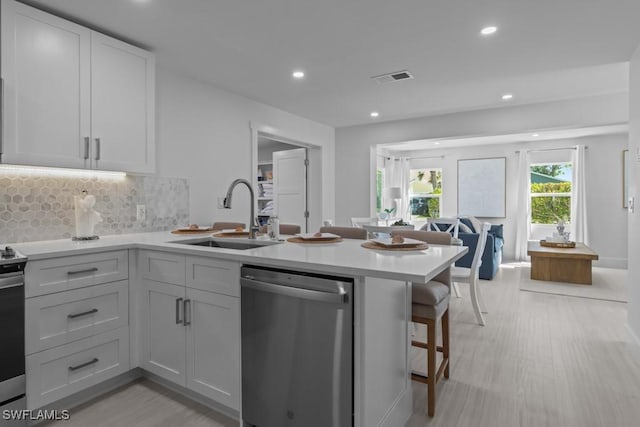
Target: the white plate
(231, 231)
(407, 242)
(312, 236)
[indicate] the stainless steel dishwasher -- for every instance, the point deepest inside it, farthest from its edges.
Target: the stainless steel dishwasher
(297, 349)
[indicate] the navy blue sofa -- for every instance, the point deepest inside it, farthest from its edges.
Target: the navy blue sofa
(492, 255)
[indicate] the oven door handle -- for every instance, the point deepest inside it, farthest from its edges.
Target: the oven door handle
(12, 281)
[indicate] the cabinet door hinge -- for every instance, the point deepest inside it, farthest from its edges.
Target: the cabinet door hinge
(306, 162)
(306, 214)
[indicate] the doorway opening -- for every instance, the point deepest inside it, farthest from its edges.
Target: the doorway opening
(287, 180)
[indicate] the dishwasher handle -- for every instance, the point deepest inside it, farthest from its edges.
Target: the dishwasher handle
(307, 294)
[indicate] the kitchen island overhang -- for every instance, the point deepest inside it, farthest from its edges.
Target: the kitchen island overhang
(382, 390)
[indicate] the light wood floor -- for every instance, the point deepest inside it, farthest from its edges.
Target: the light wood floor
(542, 360)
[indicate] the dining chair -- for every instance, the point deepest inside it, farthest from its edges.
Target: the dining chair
(430, 304)
(217, 226)
(289, 229)
(346, 232)
(471, 275)
(452, 225)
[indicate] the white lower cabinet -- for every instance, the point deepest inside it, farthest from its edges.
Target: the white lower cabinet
(189, 336)
(63, 317)
(77, 329)
(58, 372)
(213, 350)
(163, 335)
(76, 323)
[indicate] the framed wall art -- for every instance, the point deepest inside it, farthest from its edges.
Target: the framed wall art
(482, 187)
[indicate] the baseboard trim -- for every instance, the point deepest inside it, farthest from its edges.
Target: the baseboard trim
(189, 394)
(397, 415)
(92, 392)
(134, 374)
(619, 263)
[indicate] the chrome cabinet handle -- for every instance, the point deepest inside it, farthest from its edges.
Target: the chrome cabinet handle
(86, 147)
(187, 312)
(83, 365)
(97, 148)
(88, 270)
(84, 313)
(178, 304)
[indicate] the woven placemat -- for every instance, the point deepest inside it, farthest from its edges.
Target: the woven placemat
(208, 230)
(557, 244)
(316, 241)
(373, 245)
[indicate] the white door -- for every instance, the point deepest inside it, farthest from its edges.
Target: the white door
(122, 106)
(290, 186)
(213, 346)
(163, 331)
(45, 70)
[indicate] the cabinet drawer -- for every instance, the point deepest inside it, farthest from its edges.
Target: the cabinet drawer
(62, 274)
(61, 318)
(213, 275)
(162, 267)
(59, 372)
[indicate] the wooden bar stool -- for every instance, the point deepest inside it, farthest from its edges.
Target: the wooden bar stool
(430, 304)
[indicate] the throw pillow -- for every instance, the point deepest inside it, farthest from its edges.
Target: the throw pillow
(477, 224)
(464, 228)
(467, 223)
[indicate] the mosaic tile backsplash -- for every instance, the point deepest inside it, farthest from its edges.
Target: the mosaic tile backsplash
(41, 207)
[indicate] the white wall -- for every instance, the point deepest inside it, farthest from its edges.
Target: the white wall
(634, 191)
(353, 161)
(353, 144)
(607, 217)
(203, 134)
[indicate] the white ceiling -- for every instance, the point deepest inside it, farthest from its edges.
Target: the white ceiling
(412, 148)
(543, 50)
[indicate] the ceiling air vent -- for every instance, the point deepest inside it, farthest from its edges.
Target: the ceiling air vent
(393, 77)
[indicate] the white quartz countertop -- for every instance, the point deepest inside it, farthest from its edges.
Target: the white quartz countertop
(343, 258)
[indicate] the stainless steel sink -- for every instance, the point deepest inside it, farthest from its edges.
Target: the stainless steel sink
(226, 244)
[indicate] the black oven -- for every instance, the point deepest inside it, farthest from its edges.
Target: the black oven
(12, 321)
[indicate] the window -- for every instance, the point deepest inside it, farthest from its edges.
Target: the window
(425, 190)
(379, 187)
(551, 193)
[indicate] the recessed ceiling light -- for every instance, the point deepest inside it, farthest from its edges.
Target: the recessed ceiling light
(535, 135)
(297, 74)
(486, 31)
(374, 114)
(507, 96)
(141, 1)
(436, 143)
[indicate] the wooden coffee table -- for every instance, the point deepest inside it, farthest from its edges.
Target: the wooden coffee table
(571, 265)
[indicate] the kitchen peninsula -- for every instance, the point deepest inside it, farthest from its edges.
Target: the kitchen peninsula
(148, 267)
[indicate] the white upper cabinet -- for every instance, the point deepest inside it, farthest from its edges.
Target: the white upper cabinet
(74, 97)
(46, 75)
(122, 101)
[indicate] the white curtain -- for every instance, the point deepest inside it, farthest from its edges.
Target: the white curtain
(397, 175)
(579, 198)
(524, 206)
